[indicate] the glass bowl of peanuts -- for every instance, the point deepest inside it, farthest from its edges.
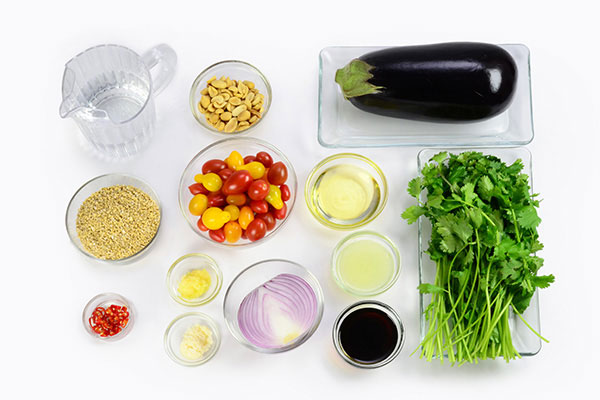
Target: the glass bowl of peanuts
(230, 97)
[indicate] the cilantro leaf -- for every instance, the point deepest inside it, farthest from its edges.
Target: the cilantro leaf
(412, 213)
(528, 217)
(415, 187)
(542, 281)
(429, 288)
(440, 157)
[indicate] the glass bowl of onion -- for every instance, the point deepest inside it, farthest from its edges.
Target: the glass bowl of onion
(273, 306)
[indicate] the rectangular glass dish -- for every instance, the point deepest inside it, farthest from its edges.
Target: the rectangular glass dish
(343, 125)
(524, 340)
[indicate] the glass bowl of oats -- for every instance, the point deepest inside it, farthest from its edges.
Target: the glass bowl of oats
(230, 97)
(113, 218)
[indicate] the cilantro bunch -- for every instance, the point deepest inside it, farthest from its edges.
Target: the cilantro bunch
(483, 241)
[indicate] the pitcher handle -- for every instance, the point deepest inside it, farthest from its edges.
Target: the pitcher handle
(163, 59)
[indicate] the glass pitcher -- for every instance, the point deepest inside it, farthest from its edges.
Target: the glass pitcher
(109, 91)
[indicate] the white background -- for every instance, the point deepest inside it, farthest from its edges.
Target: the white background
(46, 282)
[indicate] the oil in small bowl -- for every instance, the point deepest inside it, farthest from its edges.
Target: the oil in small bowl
(346, 194)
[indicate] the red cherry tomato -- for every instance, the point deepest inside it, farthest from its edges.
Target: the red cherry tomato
(236, 199)
(249, 159)
(264, 158)
(213, 166)
(258, 190)
(278, 173)
(285, 192)
(269, 220)
(201, 225)
(256, 230)
(280, 214)
(225, 174)
(216, 199)
(244, 236)
(259, 206)
(217, 236)
(237, 183)
(198, 188)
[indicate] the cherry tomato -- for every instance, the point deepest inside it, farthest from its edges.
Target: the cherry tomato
(249, 159)
(244, 236)
(280, 214)
(214, 218)
(256, 169)
(259, 206)
(234, 160)
(256, 230)
(201, 225)
(217, 235)
(225, 173)
(236, 199)
(234, 211)
(246, 216)
(211, 181)
(237, 183)
(274, 197)
(264, 158)
(216, 199)
(233, 231)
(269, 220)
(285, 192)
(198, 204)
(278, 173)
(258, 190)
(213, 166)
(198, 188)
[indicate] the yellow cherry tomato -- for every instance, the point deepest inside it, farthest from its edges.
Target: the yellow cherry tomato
(234, 211)
(256, 169)
(274, 197)
(211, 181)
(214, 218)
(235, 160)
(246, 216)
(233, 231)
(198, 204)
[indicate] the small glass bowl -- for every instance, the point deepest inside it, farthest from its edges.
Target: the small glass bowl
(188, 263)
(174, 335)
(106, 300)
(389, 311)
(353, 159)
(91, 187)
(234, 69)
(357, 237)
(221, 150)
(253, 277)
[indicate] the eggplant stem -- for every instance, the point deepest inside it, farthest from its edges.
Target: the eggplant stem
(354, 79)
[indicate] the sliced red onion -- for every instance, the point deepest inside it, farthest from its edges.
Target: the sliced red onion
(278, 311)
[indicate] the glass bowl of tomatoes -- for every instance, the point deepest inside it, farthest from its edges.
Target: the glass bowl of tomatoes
(238, 191)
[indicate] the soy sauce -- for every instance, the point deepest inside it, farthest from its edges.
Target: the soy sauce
(368, 335)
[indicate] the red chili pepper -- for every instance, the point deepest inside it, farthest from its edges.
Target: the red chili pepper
(109, 321)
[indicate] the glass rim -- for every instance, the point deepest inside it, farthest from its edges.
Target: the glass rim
(315, 286)
(201, 77)
(308, 186)
(119, 175)
(393, 249)
(209, 355)
(216, 287)
(389, 311)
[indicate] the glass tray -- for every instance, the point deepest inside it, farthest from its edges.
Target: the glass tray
(524, 340)
(343, 125)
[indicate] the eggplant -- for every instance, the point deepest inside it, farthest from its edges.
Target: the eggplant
(447, 82)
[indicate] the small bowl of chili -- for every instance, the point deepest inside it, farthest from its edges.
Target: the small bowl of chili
(108, 317)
